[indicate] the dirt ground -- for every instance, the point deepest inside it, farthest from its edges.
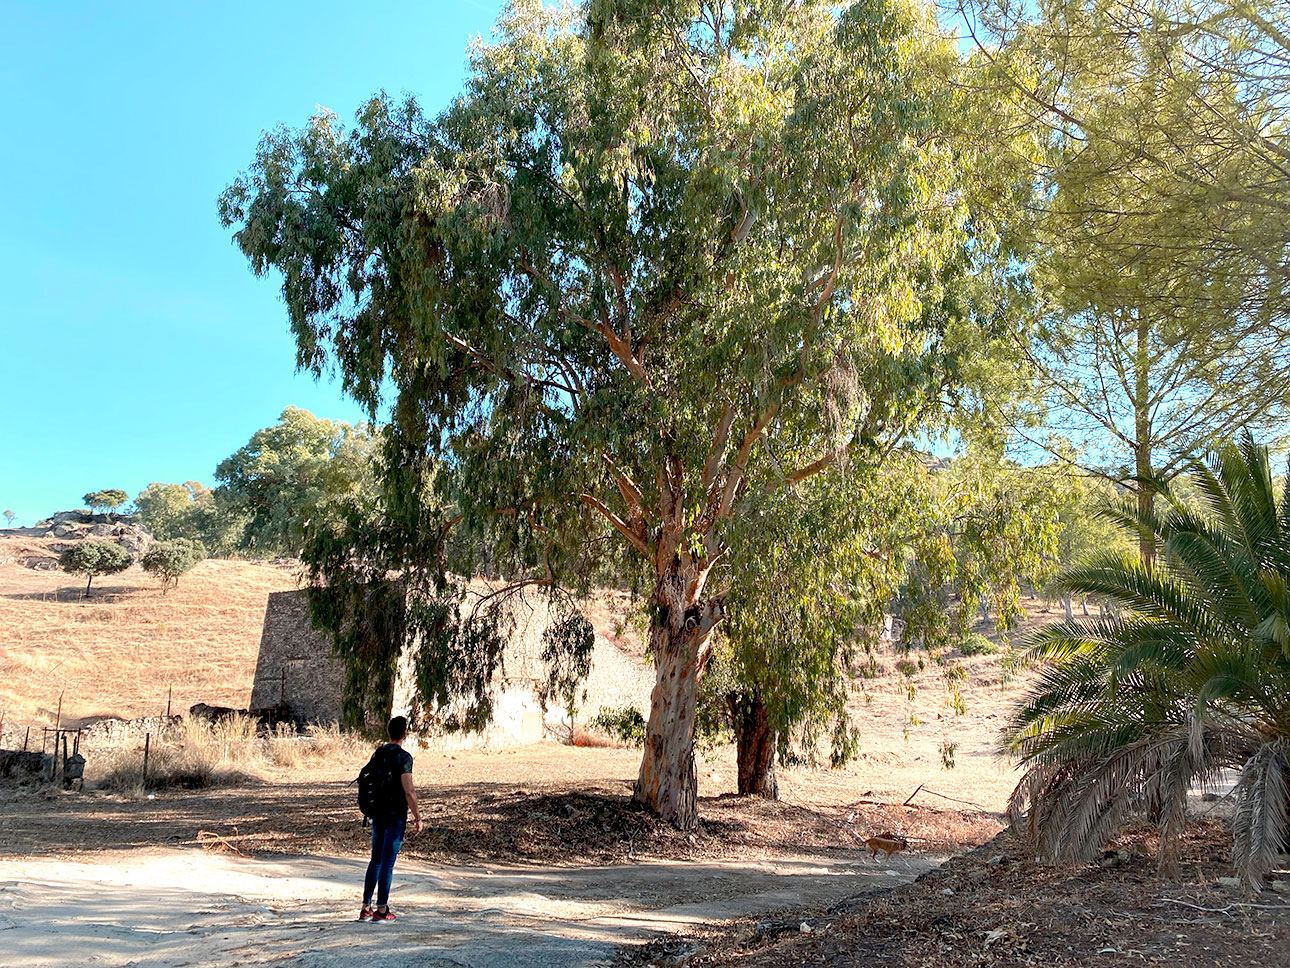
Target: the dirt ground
(997, 907)
(530, 858)
(547, 803)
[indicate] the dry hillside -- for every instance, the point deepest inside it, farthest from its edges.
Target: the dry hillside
(119, 651)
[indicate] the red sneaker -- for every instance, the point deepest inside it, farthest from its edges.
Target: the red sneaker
(386, 915)
(365, 914)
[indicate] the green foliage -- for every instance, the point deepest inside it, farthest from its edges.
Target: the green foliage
(91, 558)
(1190, 677)
(993, 527)
(1160, 325)
(567, 645)
(291, 477)
(625, 724)
(974, 643)
(643, 271)
(8, 517)
(823, 561)
(168, 560)
(107, 499)
(188, 511)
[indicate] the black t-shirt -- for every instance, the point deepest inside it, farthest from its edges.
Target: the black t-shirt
(400, 801)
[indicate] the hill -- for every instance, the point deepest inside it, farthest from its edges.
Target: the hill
(119, 651)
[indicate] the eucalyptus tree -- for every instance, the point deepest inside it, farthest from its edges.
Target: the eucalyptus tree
(655, 262)
(1161, 156)
(805, 602)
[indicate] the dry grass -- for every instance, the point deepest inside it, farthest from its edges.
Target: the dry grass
(232, 752)
(118, 652)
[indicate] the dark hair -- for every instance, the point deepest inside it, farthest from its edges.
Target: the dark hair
(398, 728)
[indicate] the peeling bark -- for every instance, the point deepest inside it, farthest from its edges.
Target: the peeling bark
(667, 783)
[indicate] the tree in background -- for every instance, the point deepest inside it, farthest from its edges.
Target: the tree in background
(107, 499)
(287, 477)
(997, 524)
(8, 517)
(653, 264)
(168, 560)
(1159, 250)
(91, 558)
(188, 511)
(825, 559)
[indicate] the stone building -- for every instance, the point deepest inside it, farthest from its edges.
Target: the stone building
(298, 672)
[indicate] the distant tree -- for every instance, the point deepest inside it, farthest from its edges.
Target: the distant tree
(189, 511)
(8, 517)
(289, 477)
(92, 558)
(107, 499)
(167, 560)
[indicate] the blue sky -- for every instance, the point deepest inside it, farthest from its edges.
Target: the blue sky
(135, 344)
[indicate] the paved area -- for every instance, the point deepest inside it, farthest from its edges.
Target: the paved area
(157, 908)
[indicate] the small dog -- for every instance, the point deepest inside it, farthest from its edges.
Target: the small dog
(888, 842)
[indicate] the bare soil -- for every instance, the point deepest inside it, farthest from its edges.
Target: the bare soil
(546, 804)
(997, 907)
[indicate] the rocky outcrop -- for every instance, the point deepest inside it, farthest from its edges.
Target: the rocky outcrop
(66, 529)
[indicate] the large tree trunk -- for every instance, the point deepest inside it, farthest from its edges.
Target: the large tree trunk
(755, 742)
(668, 784)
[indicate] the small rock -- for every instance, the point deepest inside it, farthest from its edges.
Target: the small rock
(804, 928)
(1229, 882)
(948, 892)
(996, 859)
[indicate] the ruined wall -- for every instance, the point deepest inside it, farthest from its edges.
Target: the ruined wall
(296, 666)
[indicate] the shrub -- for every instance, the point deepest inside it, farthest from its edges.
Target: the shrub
(974, 643)
(625, 724)
(167, 560)
(95, 558)
(1186, 682)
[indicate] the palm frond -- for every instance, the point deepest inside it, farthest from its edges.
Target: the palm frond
(1260, 826)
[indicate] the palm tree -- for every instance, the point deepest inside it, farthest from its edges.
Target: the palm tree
(1189, 677)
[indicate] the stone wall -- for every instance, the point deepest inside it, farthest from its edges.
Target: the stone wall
(296, 666)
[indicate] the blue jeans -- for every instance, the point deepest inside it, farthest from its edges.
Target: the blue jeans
(387, 838)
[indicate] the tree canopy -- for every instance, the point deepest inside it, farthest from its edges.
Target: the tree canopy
(1158, 149)
(653, 263)
(168, 560)
(285, 479)
(91, 558)
(108, 498)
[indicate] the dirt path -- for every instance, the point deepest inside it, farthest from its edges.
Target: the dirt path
(169, 907)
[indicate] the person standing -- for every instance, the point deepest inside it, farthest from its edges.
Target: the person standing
(392, 765)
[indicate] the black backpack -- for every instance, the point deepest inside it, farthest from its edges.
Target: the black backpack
(380, 784)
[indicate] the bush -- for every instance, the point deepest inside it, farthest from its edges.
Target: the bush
(95, 558)
(167, 560)
(626, 724)
(974, 643)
